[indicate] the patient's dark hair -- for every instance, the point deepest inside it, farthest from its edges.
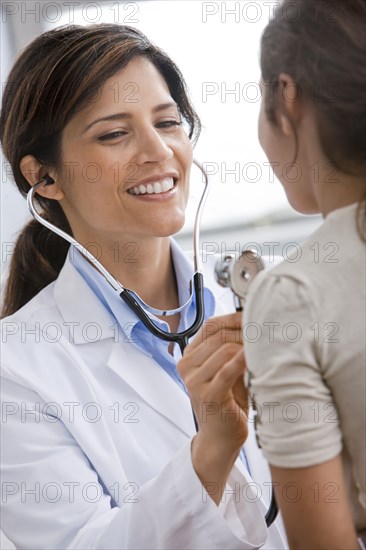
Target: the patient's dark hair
(321, 44)
(52, 79)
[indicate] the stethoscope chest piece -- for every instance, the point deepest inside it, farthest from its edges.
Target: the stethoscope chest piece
(238, 273)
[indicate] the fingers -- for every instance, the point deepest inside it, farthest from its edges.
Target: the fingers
(207, 360)
(225, 328)
(213, 366)
(216, 348)
(219, 371)
(202, 351)
(228, 374)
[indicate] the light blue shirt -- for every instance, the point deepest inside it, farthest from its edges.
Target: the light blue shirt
(133, 330)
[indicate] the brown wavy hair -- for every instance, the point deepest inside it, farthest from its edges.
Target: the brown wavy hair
(321, 44)
(52, 79)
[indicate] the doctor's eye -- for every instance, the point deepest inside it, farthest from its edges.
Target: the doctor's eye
(112, 135)
(169, 123)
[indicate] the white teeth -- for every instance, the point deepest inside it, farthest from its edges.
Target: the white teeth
(167, 184)
(153, 188)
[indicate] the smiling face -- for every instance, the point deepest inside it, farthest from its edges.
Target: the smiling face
(126, 161)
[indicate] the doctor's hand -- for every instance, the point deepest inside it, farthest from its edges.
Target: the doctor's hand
(212, 369)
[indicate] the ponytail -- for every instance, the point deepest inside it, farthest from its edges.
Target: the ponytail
(37, 260)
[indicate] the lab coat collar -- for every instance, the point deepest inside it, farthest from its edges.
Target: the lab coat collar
(84, 315)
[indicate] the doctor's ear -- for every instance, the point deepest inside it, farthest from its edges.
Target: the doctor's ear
(33, 171)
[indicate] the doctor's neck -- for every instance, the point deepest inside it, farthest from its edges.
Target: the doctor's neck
(144, 266)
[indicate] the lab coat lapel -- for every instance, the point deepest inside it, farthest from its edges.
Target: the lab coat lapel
(79, 306)
(153, 385)
(138, 370)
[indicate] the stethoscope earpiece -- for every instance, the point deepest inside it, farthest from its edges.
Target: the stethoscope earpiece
(48, 180)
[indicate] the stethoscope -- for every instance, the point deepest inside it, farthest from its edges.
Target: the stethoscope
(227, 274)
(181, 338)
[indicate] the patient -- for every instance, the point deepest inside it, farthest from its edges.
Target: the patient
(310, 361)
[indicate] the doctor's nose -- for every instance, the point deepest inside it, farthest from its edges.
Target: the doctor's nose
(153, 148)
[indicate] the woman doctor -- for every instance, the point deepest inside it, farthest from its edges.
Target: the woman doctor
(101, 448)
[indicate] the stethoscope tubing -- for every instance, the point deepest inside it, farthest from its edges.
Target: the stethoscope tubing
(181, 338)
(116, 285)
(125, 294)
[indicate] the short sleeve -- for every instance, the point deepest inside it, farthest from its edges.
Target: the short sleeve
(297, 422)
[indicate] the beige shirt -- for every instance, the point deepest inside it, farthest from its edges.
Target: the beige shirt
(304, 326)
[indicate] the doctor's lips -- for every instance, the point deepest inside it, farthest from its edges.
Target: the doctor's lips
(155, 185)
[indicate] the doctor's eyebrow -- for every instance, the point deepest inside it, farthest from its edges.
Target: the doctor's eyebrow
(123, 116)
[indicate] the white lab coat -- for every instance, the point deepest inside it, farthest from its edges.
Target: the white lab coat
(96, 439)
